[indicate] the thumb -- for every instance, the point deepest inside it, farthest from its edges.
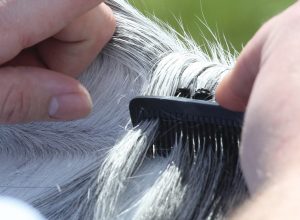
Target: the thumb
(33, 94)
(234, 90)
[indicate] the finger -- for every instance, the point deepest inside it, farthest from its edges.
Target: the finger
(77, 45)
(270, 140)
(28, 57)
(30, 94)
(234, 90)
(24, 23)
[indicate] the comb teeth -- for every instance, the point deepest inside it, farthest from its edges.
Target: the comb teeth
(195, 135)
(193, 123)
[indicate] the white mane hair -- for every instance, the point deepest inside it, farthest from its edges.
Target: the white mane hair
(97, 168)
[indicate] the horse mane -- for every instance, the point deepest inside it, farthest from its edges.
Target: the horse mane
(96, 167)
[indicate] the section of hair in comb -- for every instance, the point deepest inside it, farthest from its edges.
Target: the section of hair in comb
(194, 122)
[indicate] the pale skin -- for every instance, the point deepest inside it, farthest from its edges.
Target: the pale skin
(265, 83)
(44, 45)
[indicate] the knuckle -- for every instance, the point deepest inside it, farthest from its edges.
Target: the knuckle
(108, 22)
(12, 33)
(15, 105)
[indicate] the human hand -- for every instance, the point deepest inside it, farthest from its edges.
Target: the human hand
(44, 45)
(266, 82)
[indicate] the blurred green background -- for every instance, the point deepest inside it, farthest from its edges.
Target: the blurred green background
(237, 20)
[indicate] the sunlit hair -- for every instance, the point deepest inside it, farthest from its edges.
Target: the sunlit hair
(97, 167)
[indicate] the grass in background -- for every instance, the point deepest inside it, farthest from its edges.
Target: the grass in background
(237, 20)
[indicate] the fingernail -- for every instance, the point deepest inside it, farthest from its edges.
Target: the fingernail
(70, 106)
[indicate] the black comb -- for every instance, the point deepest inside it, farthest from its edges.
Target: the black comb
(194, 123)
